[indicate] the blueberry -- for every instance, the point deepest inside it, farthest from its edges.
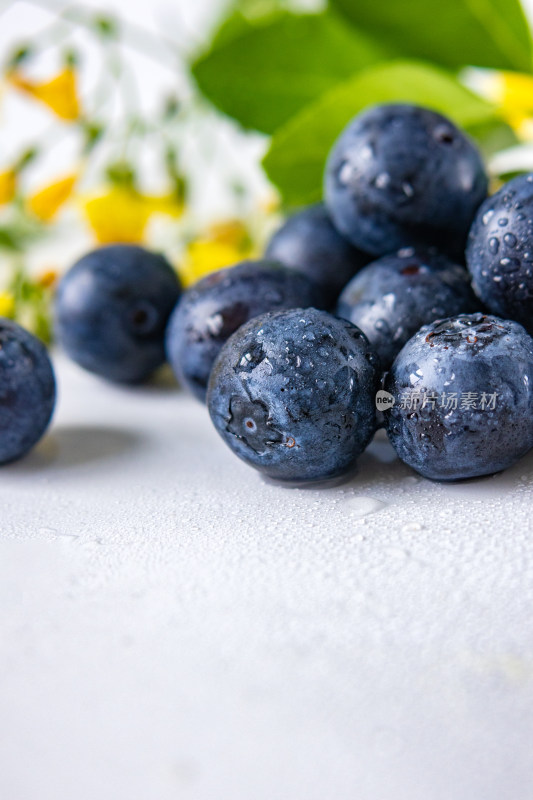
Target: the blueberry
(463, 390)
(309, 242)
(111, 311)
(211, 310)
(399, 176)
(500, 251)
(27, 391)
(293, 394)
(393, 297)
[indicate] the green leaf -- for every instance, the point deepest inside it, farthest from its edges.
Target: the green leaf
(269, 70)
(243, 15)
(9, 241)
(484, 33)
(234, 25)
(492, 136)
(298, 151)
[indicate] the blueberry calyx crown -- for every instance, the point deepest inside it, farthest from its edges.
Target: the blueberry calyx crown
(465, 329)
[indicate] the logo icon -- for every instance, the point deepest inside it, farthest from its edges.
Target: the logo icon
(384, 400)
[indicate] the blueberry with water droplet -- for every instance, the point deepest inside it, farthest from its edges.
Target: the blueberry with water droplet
(401, 175)
(27, 391)
(293, 424)
(501, 265)
(391, 298)
(309, 242)
(212, 309)
(463, 390)
(111, 311)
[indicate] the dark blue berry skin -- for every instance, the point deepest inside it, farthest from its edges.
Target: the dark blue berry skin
(111, 311)
(400, 176)
(211, 310)
(472, 353)
(27, 391)
(393, 297)
(500, 251)
(309, 242)
(293, 394)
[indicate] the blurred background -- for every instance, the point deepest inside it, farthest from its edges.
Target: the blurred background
(192, 127)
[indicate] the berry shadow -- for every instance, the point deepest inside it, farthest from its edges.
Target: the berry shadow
(68, 447)
(496, 484)
(162, 381)
(378, 462)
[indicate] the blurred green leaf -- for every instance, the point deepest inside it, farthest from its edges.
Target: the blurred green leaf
(20, 55)
(121, 173)
(233, 26)
(298, 151)
(492, 136)
(270, 70)
(243, 15)
(92, 134)
(106, 27)
(21, 230)
(71, 57)
(32, 302)
(9, 240)
(484, 33)
(29, 155)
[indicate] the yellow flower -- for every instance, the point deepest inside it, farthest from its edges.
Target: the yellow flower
(167, 204)
(232, 232)
(225, 244)
(48, 278)
(45, 203)
(513, 93)
(122, 214)
(7, 304)
(59, 94)
(8, 185)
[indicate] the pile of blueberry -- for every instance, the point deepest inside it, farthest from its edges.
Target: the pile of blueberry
(362, 314)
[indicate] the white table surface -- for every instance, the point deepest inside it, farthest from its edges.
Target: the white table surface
(171, 626)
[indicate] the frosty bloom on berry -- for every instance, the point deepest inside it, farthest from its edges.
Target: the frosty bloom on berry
(481, 369)
(292, 393)
(400, 175)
